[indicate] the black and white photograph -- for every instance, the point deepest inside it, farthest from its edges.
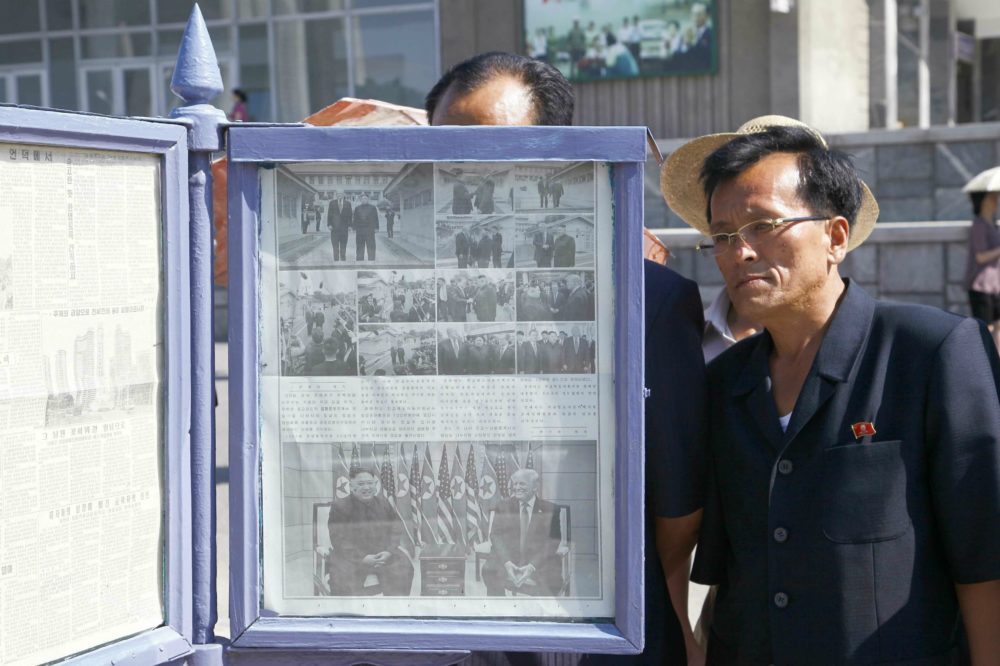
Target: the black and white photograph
(355, 215)
(555, 241)
(474, 188)
(476, 349)
(369, 519)
(318, 316)
(554, 187)
(555, 295)
(553, 349)
(485, 242)
(393, 350)
(395, 296)
(475, 295)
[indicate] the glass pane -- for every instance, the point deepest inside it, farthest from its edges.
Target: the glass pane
(58, 14)
(110, 13)
(358, 4)
(29, 89)
(4, 99)
(301, 6)
(12, 53)
(20, 16)
(170, 41)
(255, 71)
(311, 66)
(99, 91)
(138, 93)
(394, 57)
(178, 11)
(62, 74)
(123, 45)
(251, 8)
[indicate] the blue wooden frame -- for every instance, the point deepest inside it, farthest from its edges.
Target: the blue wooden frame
(257, 631)
(173, 639)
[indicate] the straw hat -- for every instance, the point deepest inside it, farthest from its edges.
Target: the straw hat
(680, 178)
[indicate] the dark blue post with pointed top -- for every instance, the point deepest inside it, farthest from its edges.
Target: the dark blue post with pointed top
(196, 81)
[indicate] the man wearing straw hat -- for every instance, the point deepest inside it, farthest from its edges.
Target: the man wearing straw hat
(853, 504)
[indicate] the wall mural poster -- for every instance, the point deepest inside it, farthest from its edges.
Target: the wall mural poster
(590, 40)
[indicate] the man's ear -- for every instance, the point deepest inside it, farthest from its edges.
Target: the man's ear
(839, 232)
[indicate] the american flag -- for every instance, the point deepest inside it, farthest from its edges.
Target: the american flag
(503, 480)
(416, 490)
(473, 514)
(530, 461)
(447, 523)
(388, 477)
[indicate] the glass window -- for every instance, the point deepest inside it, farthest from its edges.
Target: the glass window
(4, 99)
(62, 74)
(311, 66)
(12, 53)
(170, 41)
(251, 8)
(121, 45)
(304, 6)
(58, 14)
(100, 95)
(29, 89)
(111, 13)
(20, 16)
(394, 56)
(255, 71)
(138, 92)
(178, 11)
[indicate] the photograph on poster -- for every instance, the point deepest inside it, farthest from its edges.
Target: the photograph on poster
(554, 187)
(620, 39)
(475, 295)
(551, 349)
(437, 349)
(354, 215)
(555, 241)
(317, 326)
(393, 350)
(474, 188)
(395, 296)
(464, 242)
(476, 349)
(376, 519)
(555, 295)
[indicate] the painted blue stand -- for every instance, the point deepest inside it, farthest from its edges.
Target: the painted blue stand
(196, 81)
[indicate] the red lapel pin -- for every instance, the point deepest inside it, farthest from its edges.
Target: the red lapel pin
(863, 429)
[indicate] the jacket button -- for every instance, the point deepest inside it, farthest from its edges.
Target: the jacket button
(781, 600)
(785, 467)
(781, 535)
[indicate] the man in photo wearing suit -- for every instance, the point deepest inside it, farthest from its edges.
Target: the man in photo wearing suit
(452, 352)
(484, 303)
(339, 219)
(458, 298)
(551, 353)
(579, 304)
(365, 532)
(529, 361)
(484, 196)
(525, 539)
(543, 242)
(462, 249)
(556, 192)
(497, 248)
(390, 220)
(576, 352)
(483, 248)
(461, 200)
(564, 249)
(365, 225)
(504, 363)
(543, 193)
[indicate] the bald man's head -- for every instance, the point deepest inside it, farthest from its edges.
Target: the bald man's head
(501, 89)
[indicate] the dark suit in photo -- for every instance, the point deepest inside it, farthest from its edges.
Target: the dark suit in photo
(497, 249)
(579, 306)
(537, 546)
(564, 251)
(504, 363)
(358, 529)
(576, 355)
(365, 225)
(543, 243)
(451, 357)
(462, 249)
(528, 361)
(551, 357)
(339, 218)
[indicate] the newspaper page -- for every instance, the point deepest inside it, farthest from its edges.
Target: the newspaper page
(437, 406)
(81, 533)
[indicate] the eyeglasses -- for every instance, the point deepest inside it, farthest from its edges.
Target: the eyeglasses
(753, 234)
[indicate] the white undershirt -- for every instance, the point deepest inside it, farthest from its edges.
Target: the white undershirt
(784, 421)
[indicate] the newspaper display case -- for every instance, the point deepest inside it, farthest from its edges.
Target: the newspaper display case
(436, 391)
(95, 542)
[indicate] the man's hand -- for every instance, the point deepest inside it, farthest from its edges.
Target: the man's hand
(370, 560)
(980, 605)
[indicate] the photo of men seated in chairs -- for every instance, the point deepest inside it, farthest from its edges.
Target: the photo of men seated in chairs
(470, 519)
(318, 315)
